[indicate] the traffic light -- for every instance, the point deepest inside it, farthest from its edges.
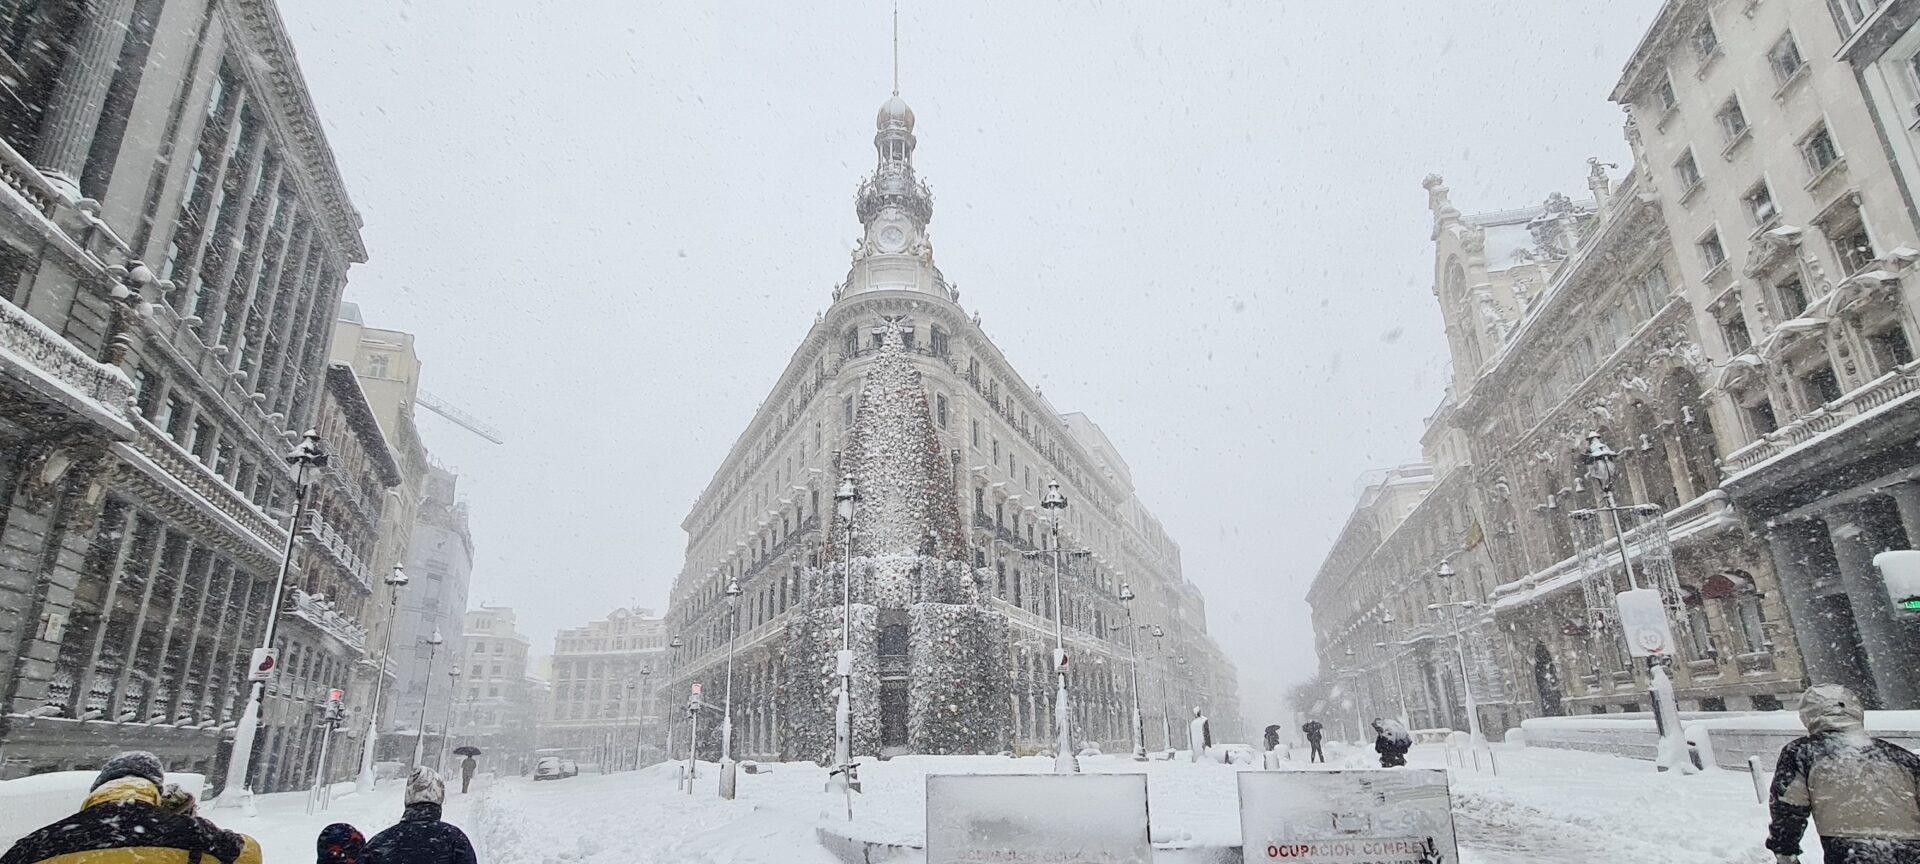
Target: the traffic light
(336, 710)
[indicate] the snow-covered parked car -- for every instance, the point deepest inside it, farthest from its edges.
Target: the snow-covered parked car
(549, 768)
(569, 768)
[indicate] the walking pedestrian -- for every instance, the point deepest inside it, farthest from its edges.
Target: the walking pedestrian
(466, 772)
(1392, 741)
(1272, 737)
(1862, 793)
(1199, 735)
(341, 843)
(1313, 728)
(421, 837)
(122, 822)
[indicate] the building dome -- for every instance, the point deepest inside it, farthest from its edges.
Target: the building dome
(894, 111)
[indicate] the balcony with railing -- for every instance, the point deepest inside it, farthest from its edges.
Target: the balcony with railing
(337, 547)
(323, 615)
(1875, 398)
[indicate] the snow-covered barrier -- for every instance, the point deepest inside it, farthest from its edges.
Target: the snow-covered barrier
(1721, 739)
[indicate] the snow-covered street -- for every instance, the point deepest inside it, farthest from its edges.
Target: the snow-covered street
(1545, 806)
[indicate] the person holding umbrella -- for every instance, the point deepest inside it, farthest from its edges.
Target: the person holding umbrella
(467, 766)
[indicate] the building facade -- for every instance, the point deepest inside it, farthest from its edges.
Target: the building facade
(174, 238)
(1797, 251)
(898, 388)
(497, 709)
(604, 703)
(440, 569)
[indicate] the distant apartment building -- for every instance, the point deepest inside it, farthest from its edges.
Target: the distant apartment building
(439, 567)
(608, 698)
(498, 711)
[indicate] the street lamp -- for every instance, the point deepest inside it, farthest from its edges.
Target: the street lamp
(627, 719)
(844, 499)
(420, 735)
(673, 660)
(1133, 676)
(1166, 703)
(727, 767)
(1447, 573)
(639, 729)
(1603, 466)
(446, 726)
(1393, 662)
(308, 454)
(395, 580)
(1064, 761)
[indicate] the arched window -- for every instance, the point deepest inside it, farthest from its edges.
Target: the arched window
(1699, 633)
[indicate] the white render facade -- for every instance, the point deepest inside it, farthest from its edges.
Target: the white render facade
(764, 517)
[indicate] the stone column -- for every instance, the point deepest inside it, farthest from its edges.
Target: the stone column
(1891, 658)
(1791, 566)
(73, 112)
(1906, 497)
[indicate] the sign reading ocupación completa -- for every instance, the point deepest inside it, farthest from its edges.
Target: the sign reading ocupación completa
(1037, 819)
(1382, 816)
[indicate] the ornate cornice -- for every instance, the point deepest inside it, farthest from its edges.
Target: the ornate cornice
(266, 57)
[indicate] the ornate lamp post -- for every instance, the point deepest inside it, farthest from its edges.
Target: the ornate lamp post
(308, 454)
(673, 659)
(395, 580)
(1393, 663)
(727, 766)
(1446, 572)
(1602, 466)
(1166, 703)
(1064, 760)
(639, 729)
(420, 735)
(626, 719)
(844, 499)
(446, 725)
(1133, 676)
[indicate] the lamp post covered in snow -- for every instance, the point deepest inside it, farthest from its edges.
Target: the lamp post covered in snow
(446, 725)
(1166, 703)
(844, 499)
(434, 642)
(727, 766)
(1641, 612)
(306, 455)
(640, 728)
(1133, 676)
(673, 659)
(1393, 663)
(395, 580)
(1064, 760)
(1447, 573)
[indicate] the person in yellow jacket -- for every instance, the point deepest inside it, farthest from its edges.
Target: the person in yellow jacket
(123, 822)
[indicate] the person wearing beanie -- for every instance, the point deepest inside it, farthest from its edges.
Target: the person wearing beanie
(1862, 793)
(125, 820)
(341, 843)
(421, 837)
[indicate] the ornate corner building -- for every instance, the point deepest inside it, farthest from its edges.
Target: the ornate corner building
(145, 408)
(897, 388)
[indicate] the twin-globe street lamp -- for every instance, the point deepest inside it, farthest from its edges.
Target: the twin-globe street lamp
(1393, 663)
(1166, 702)
(673, 659)
(1447, 573)
(308, 454)
(727, 765)
(395, 580)
(1064, 760)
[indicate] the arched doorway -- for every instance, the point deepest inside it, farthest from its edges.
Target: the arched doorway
(1546, 681)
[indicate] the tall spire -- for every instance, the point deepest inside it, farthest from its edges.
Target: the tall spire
(896, 47)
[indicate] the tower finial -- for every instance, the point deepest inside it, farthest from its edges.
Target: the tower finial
(896, 47)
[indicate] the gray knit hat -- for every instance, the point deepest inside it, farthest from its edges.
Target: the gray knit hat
(132, 763)
(425, 787)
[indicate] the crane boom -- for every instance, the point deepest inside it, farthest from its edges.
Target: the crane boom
(460, 418)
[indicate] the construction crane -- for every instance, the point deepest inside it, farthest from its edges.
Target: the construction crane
(460, 418)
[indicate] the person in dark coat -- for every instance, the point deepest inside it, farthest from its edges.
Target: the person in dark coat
(1312, 728)
(341, 843)
(466, 773)
(123, 822)
(1391, 741)
(421, 838)
(1272, 739)
(1862, 793)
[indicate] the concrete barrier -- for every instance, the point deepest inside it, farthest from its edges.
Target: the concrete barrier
(1727, 740)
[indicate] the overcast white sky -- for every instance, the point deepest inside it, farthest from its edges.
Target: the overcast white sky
(610, 222)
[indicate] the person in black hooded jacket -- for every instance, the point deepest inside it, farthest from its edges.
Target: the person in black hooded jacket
(421, 837)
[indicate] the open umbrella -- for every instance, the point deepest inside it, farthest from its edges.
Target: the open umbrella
(466, 750)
